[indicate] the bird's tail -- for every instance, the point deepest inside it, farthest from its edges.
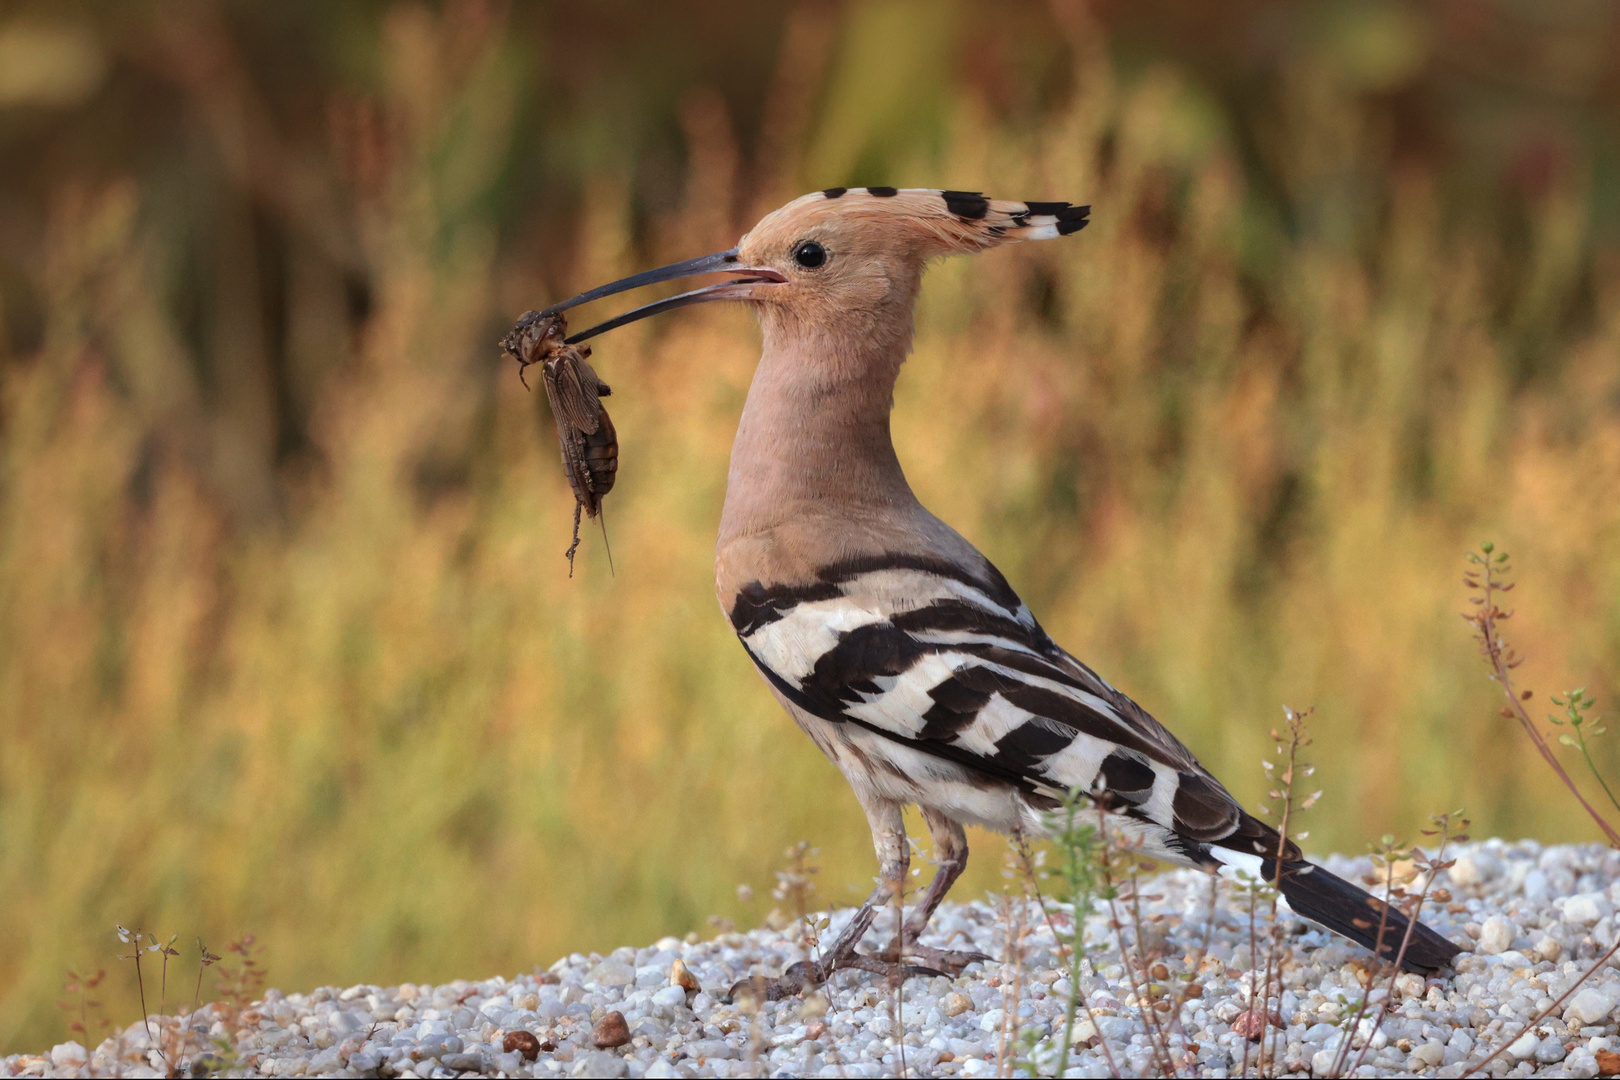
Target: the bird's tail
(1346, 909)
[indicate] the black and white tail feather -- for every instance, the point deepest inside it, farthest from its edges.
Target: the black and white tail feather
(957, 699)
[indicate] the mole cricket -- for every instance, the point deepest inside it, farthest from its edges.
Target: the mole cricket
(590, 446)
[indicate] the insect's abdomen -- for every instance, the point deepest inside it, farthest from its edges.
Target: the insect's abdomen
(600, 458)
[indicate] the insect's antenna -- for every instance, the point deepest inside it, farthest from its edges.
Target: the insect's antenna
(601, 517)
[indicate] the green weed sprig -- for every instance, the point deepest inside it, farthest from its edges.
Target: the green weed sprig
(1576, 704)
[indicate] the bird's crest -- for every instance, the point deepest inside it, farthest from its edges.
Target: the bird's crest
(938, 222)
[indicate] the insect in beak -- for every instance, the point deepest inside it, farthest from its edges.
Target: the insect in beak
(739, 288)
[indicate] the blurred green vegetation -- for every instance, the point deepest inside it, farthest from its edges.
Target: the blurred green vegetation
(287, 641)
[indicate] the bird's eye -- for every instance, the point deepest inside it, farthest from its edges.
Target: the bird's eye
(809, 254)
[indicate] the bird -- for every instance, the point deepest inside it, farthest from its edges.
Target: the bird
(898, 647)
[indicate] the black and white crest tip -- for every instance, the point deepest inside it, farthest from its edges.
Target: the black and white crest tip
(1000, 217)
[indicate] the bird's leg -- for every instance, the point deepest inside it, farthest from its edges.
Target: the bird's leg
(950, 855)
(894, 859)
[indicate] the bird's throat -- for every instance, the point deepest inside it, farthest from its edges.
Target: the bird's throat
(814, 437)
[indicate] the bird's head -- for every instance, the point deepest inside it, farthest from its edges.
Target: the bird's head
(842, 254)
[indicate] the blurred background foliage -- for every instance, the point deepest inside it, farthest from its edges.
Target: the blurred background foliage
(287, 641)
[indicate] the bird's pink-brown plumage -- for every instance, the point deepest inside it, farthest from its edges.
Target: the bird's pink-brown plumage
(894, 643)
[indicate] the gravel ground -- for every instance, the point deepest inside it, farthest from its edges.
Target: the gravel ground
(1535, 916)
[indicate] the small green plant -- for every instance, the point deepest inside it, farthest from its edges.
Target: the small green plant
(173, 1037)
(1080, 878)
(1577, 704)
(206, 960)
(133, 939)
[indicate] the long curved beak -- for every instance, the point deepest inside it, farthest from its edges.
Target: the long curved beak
(739, 288)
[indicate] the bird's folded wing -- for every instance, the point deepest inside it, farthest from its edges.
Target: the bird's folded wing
(948, 660)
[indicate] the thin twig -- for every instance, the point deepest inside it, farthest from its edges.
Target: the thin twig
(1166, 1066)
(1548, 1011)
(1432, 869)
(1014, 961)
(900, 976)
(1254, 959)
(1342, 1051)
(1502, 660)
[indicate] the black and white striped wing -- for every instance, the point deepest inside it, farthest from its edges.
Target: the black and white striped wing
(952, 663)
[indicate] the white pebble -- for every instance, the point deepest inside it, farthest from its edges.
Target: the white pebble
(1591, 1005)
(1519, 893)
(1496, 935)
(1585, 909)
(1581, 1064)
(670, 997)
(69, 1055)
(1524, 1046)
(1430, 1053)
(611, 973)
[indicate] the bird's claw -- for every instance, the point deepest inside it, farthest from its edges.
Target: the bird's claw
(806, 975)
(951, 962)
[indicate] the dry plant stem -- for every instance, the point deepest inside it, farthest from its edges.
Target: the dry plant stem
(1197, 966)
(134, 937)
(1157, 1028)
(1548, 1011)
(1267, 1030)
(1254, 956)
(1342, 1054)
(900, 977)
(1015, 965)
(1502, 660)
(1400, 954)
(1284, 794)
(1155, 1037)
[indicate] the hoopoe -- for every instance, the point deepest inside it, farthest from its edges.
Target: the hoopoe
(897, 647)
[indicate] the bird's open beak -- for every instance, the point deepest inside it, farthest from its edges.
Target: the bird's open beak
(739, 288)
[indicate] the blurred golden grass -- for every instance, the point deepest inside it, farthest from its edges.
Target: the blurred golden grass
(1230, 465)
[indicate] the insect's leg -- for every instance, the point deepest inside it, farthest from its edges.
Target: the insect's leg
(575, 545)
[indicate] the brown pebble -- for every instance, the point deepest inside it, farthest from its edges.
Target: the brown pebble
(521, 1042)
(1251, 1025)
(1193, 990)
(1159, 972)
(680, 975)
(1608, 1063)
(611, 1031)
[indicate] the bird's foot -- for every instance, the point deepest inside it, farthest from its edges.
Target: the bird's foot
(806, 975)
(950, 962)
